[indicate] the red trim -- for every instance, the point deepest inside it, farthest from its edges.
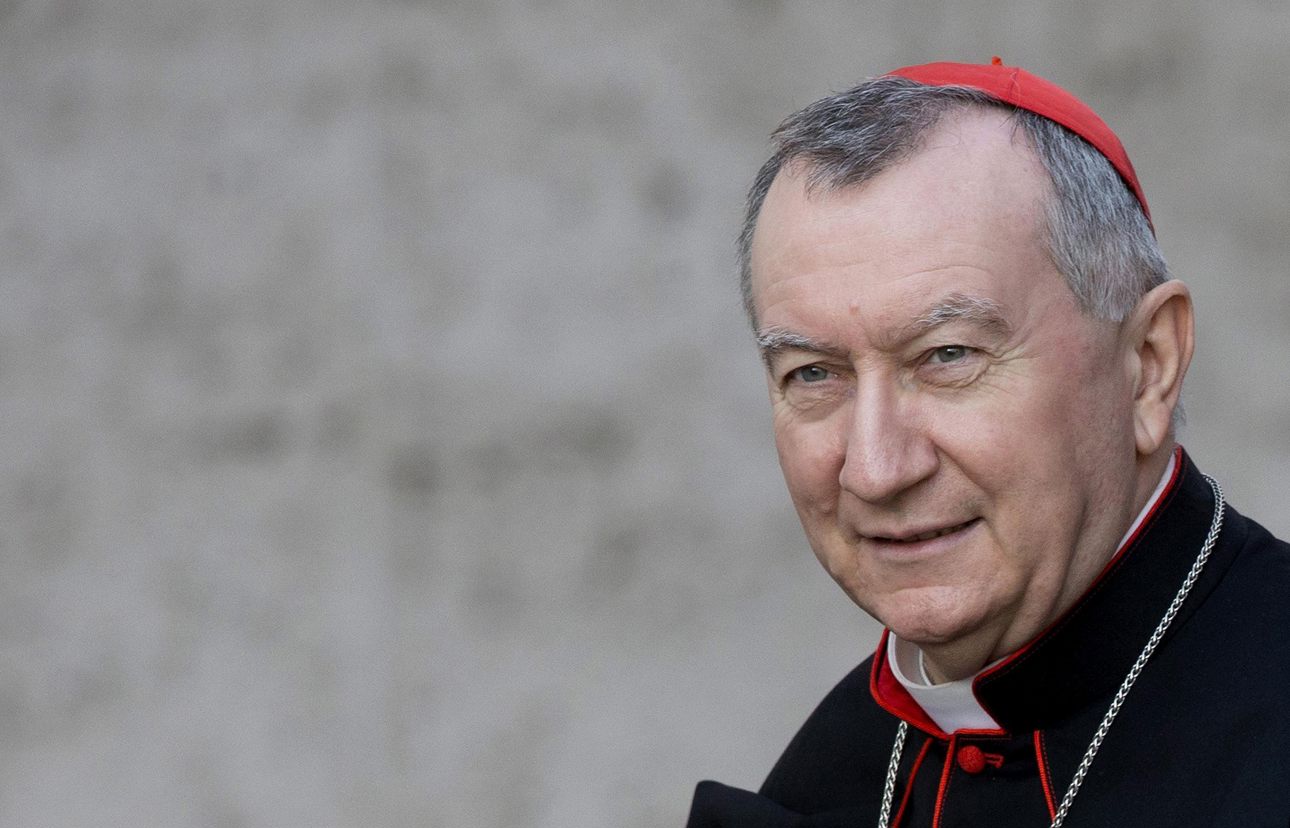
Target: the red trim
(909, 786)
(1045, 778)
(1155, 507)
(1021, 652)
(892, 696)
(945, 784)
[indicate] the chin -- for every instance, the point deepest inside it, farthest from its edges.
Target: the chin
(930, 617)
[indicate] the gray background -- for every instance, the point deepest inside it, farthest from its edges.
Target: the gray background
(382, 444)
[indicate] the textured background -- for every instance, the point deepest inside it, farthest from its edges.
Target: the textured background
(382, 444)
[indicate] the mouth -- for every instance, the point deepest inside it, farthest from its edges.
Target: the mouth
(931, 534)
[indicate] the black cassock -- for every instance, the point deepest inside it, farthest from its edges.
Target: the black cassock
(1203, 738)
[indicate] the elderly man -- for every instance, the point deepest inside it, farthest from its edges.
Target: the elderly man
(974, 354)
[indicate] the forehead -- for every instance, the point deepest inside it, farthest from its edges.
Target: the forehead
(962, 214)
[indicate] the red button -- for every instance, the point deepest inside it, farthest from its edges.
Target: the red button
(971, 759)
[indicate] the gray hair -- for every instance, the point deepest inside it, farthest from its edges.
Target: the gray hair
(1096, 233)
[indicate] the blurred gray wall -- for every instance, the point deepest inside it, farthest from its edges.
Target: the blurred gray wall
(382, 444)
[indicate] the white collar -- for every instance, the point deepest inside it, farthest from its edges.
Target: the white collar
(952, 705)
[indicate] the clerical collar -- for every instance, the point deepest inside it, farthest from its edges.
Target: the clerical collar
(952, 705)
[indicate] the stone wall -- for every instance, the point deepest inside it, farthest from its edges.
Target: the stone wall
(382, 442)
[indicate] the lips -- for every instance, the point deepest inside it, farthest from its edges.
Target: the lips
(925, 536)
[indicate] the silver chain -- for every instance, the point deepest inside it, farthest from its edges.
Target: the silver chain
(889, 789)
(1215, 527)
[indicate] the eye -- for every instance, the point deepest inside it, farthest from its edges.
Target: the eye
(809, 374)
(948, 354)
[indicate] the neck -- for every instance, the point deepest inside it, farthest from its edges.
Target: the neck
(1150, 469)
(960, 660)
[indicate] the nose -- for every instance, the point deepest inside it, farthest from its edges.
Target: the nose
(888, 447)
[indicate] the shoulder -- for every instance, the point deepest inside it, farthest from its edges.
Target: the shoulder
(1258, 575)
(1254, 601)
(839, 756)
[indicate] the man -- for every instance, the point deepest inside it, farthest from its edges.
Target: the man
(974, 354)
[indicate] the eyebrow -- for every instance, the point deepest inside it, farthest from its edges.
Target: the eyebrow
(959, 307)
(774, 341)
(956, 307)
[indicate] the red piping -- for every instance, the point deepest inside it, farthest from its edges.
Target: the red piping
(945, 784)
(1155, 507)
(892, 696)
(1045, 780)
(909, 786)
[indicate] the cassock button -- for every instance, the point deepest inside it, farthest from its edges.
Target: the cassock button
(971, 759)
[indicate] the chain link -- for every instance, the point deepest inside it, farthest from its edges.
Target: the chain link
(893, 767)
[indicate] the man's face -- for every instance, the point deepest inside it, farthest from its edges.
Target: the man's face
(957, 436)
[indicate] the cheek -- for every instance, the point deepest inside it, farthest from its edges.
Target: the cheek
(811, 462)
(1036, 434)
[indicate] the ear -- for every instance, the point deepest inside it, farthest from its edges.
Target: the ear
(1161, 336)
